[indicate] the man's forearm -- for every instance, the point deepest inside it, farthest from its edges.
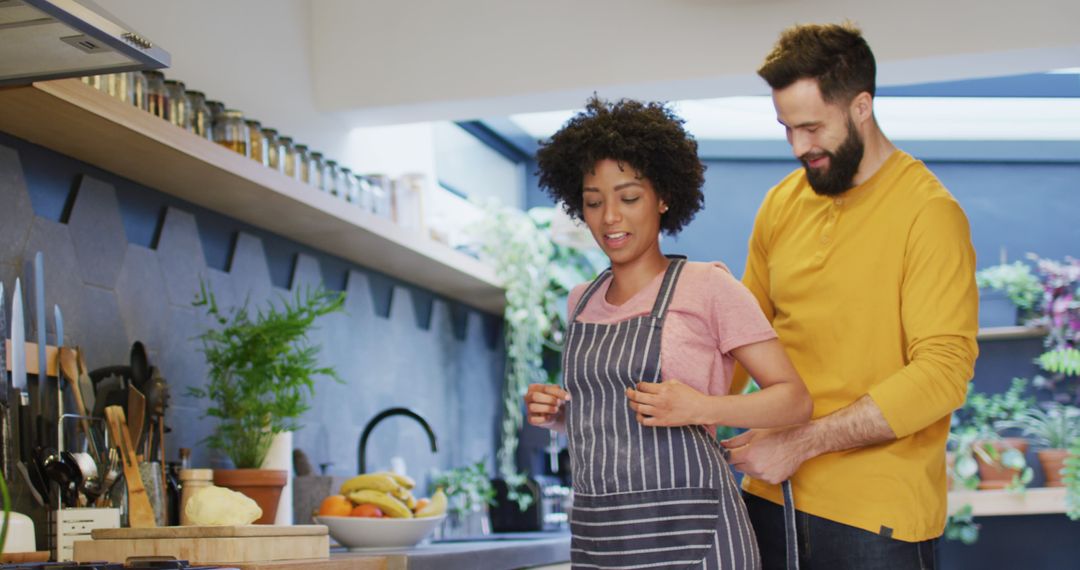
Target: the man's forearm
(857, 425)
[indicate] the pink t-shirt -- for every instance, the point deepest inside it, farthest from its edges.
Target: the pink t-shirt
(711, 313)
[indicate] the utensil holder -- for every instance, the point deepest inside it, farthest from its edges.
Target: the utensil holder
(70, 525)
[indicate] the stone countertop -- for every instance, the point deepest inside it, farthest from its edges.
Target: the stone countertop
(496, 552)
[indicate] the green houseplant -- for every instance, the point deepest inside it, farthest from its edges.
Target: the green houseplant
(538, 264)
(1017, 282)
(983, 458)
(469, 492)
(261, 374)
(1053, 427)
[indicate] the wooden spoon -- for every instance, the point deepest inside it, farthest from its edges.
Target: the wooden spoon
(140, 513)
(70, 369)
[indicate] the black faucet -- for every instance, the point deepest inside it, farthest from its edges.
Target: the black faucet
(380, 417)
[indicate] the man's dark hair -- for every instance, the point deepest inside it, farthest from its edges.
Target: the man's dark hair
(836, 55)
(647, 137)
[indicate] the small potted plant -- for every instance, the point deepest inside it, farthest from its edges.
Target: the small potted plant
(977, 440)
(1009, 294)
(1053, 427)
(469, 493)
(261, 374)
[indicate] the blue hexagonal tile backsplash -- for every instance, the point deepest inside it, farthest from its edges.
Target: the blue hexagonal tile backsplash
(393, 345)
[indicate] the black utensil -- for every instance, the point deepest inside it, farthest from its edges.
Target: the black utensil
(28, 465)
(62, 469)
(140, 366)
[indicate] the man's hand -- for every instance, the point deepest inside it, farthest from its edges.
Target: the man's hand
(545, 405)
(769, 455)
(669, 403)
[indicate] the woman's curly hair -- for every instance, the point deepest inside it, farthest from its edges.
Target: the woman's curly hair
(648, 137)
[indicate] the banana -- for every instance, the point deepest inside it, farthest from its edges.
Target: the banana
(390, 506)
(372, 481)
(403, 480)
(436, 507)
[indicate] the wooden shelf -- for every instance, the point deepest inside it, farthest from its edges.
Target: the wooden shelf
(1034, 501)
(74, 119)
(1010, 333)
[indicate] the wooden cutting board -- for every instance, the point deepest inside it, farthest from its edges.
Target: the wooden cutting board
(208, 545)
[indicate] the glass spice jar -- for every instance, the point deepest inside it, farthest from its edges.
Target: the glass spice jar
(273, 148)
(288, 156)
(365, 196)
(157, 97)
(232, 132)
(179, 107)
(332, 180)
(303, 163)
(258, 141)
(347, 184)
(382, 203)
(317, 171)
(138, 89)
(217, 109)
(202, 122)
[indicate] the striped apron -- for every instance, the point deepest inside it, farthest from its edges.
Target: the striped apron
(644, 497)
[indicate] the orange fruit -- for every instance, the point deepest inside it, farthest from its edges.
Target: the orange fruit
(366, 510)
(421, 503)
(335, 506)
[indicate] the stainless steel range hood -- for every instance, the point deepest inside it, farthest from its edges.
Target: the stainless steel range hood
(50, 39)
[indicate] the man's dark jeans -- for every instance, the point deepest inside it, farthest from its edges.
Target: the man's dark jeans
(828, 545)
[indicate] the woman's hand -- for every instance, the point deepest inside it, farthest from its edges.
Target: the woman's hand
(669, 403)
(545, 405)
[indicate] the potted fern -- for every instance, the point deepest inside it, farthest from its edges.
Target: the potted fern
(1053, 428)
(261, 374)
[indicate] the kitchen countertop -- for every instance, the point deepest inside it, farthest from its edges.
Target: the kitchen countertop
(496, 552)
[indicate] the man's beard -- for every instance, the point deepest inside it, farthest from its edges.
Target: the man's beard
(843, 165)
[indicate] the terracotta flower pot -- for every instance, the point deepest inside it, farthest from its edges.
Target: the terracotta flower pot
(994, 476)
(261, 485)
(1052, 460)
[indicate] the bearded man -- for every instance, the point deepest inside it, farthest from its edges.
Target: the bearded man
(863, 262)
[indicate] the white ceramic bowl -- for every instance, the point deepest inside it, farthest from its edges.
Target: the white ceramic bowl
(368, 532)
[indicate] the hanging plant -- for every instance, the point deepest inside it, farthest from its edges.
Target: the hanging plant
(538, 273)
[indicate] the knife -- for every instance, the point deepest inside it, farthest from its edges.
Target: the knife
(59, 321)
(43, 363)
(27, 465)
(3, 353)
(18, 347)
(6, 419)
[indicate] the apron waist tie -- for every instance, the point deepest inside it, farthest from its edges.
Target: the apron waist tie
(791, 538)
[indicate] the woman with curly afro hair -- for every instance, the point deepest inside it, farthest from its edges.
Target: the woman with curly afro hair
(652, 487)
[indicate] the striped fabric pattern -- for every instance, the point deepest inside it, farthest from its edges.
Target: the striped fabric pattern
(644, 497)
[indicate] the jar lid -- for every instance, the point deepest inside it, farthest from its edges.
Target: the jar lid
(196, 474)
(174, 82)
(301, 147)
(234, 114)
(253, 123)
(269, 131)
(285, 140)
(196, 93)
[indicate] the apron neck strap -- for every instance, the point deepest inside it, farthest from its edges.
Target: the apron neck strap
(667, 288)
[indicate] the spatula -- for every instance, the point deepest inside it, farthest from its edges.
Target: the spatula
(136, 417)
(140, 513)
